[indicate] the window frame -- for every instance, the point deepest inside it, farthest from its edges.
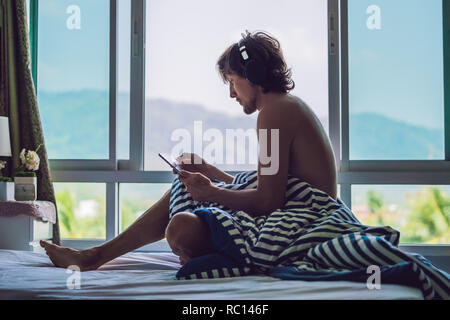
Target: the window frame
(389, 171)
(350, 172)
(446, 39)
(418, 172)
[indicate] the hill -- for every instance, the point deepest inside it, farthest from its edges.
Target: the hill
(76, 126)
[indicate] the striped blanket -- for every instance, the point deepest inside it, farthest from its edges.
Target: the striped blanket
(313, 238)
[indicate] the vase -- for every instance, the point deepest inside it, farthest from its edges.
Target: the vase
(25, 188)
(6, 191)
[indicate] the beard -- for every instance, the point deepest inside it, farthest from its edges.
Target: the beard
(250, 107)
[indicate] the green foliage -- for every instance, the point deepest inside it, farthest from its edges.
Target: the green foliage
(375, 201)
(66, 209)
(128, 213)
(25, 174)
(5, 179)
(376, 205)
(442, 204)
(429, 218)
(425, 218)
(132, 209)
(73, 227)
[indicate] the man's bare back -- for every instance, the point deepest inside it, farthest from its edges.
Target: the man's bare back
(311, 157)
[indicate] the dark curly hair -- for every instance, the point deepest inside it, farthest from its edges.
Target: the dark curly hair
(266, 50)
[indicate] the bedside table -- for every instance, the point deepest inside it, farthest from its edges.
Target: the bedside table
(24, 223)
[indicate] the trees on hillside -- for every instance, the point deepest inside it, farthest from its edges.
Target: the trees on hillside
(424, 218)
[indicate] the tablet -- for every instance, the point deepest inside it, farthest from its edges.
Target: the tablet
(174, 166)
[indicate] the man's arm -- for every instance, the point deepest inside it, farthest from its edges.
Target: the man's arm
(272, 177)
(194, 163)
(217, 174)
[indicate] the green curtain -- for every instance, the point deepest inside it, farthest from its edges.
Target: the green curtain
(18, 99)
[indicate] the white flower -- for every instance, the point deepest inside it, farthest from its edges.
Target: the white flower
(31, 155)
(2, 164)
(32, 161)
(22, 156)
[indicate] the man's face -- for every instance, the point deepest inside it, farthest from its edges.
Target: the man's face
(244, 92)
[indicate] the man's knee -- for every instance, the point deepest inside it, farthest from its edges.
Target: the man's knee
(179, 230)
(187, 233)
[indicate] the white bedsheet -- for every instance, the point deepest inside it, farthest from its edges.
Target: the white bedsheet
(28, 275)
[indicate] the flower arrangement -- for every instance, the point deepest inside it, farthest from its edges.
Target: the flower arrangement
(30, 163)
(2, 178)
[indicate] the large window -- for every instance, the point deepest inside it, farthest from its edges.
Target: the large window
(396, 80)
(187, 104)
(395, 155)
(120, 81)
(73, 77)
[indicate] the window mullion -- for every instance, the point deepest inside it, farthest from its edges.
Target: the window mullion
(346, 194)
(333, 79)
(137, 87)
(343, 13)
(112, 216)
(113, 84)
(399, 166)
(446, 39)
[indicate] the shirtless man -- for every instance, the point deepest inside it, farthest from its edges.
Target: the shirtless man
(258, 79)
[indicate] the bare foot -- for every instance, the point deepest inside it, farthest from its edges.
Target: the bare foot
(64, 257)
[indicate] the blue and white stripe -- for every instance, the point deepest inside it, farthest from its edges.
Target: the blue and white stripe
(311, 232)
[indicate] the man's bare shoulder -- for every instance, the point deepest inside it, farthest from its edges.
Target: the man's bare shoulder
(307, 117)
(286, 110)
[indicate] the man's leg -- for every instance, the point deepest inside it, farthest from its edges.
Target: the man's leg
(188, 236)
(150, 227)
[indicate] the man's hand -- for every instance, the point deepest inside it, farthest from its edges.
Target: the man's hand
(198, 185)
(193, 163)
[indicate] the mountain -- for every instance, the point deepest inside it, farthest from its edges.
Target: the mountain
(376, 137)
(76, 126)
(165, 118)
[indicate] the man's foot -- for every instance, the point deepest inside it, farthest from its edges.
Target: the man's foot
(64, 257)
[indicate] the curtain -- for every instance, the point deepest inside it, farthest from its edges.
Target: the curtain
(18, 99)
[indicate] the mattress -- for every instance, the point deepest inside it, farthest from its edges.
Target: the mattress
(138, 275)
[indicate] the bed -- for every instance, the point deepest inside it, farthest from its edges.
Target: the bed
(139, 275)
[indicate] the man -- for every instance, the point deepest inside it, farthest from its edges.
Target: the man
(259, 80)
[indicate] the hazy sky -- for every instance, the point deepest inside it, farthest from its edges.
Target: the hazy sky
(397, 70)
(73, 59)
(185, 39)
